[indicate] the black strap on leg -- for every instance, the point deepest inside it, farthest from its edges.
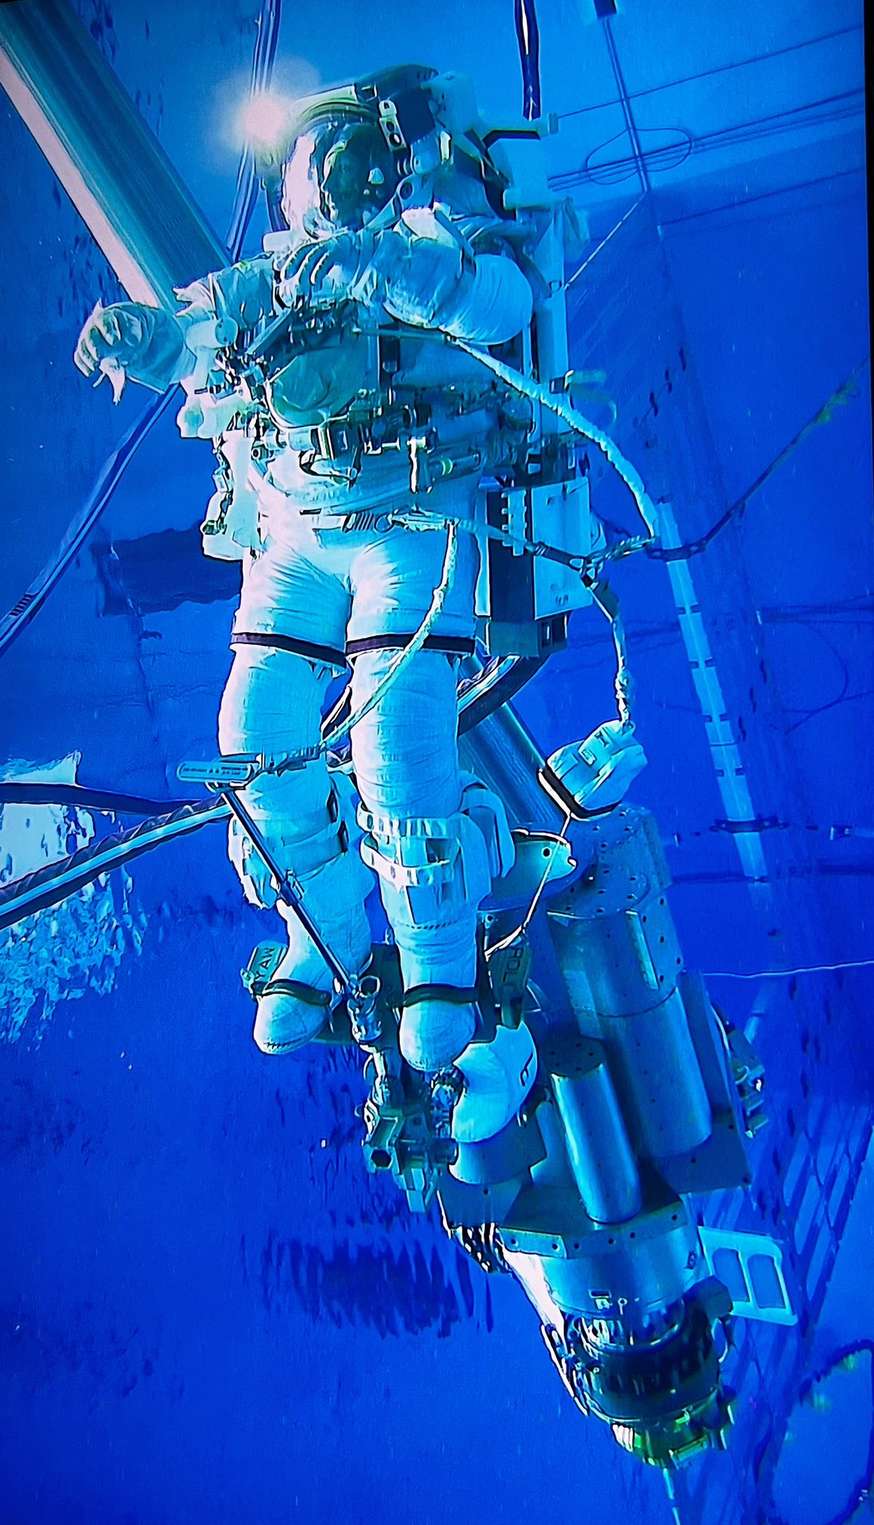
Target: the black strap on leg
(330, 655)
(455, 995)
(301, 992)
(450, 645)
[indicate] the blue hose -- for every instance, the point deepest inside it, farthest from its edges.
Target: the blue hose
(528, 36)
(246, 193)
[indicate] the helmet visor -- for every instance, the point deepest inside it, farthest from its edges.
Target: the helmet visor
(339, 175)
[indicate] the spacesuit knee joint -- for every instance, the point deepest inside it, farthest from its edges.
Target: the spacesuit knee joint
(304, 846)
(429, 866)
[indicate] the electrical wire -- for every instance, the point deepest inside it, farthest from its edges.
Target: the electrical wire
(603, 243)
(616, 171)
(739, 63)
(537, 392)
(640, 164)
(842, 105)
(414, 645)
(841, 395)
(821, 709)
(608, 603)
(780, 974)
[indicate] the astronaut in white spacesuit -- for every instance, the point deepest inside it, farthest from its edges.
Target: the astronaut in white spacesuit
(389, 253)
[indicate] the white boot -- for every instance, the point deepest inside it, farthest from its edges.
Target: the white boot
(438, 1018)
(294, 1004)
(497, 1078)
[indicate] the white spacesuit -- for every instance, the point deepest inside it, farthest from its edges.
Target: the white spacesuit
(371, 410)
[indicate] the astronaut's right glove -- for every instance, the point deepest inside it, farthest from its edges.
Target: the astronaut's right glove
(129, 339)
(420, 271)
(322, 272)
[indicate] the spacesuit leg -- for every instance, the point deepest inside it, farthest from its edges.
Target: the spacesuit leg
(434, 859)
(272, 704)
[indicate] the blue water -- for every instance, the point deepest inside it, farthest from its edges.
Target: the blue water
(208, 1311)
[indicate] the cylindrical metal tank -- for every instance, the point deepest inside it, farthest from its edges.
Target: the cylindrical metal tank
(502, 752)
(617, 949)
(654, 1063)
(597, 1142)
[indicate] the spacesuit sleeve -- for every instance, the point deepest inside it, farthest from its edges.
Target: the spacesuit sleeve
(435, 283)
(220, 305)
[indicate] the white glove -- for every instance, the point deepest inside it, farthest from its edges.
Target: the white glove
(329, 270)
(130, 339)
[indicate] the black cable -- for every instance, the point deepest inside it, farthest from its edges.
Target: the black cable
(640, 163)
(842, 698)
(694, 547)
(615, 171)
(737, 132)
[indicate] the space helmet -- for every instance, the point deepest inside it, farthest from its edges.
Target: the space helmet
(357, 154)
(339, 175)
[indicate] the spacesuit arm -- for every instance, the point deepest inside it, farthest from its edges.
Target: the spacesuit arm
(156, 347)
(433, 283)
(221, 305)
(420, 271)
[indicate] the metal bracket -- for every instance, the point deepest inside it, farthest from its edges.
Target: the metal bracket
(540, 856)
(751, 1267)
(233, 772)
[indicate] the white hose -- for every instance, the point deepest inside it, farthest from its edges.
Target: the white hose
(535, 391)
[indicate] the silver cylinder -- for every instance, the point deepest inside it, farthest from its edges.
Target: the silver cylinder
(597, 1142)
(501, 751)
(655, 1065)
